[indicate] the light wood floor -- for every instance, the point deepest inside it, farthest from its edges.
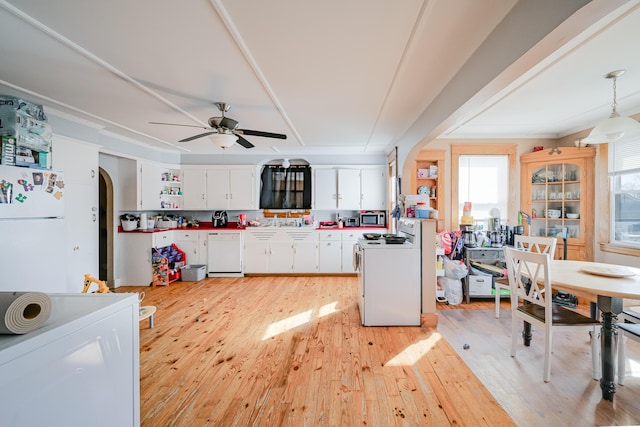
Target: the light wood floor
(271, 351)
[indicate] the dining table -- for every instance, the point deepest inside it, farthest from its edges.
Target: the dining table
(606, 285)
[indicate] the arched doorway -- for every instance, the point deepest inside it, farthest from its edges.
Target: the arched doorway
(105, 227)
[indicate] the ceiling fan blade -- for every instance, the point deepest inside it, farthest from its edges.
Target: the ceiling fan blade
(178, 124)
(260, 133)
(244, 142)
(228, 123)
(191, 138)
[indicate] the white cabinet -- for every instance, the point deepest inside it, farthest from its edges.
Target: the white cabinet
(267, 251)
(350, 189)
(330, 252)
(305, 250)
(373, 189)
(276, 250)
(79, 163)
(349, 238)
(149, 186)
(135, 257)
(82, 367)
(194, 184)
(193, 243)
(232, 188)
(325, 189)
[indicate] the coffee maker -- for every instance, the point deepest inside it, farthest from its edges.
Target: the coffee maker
(219, 219)
(469, 235)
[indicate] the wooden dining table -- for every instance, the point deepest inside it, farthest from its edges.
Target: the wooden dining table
(607, 285)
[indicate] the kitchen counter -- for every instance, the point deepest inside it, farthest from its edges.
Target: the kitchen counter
(207, 226)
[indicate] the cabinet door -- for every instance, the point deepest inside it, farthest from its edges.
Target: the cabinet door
(373, 187)
(150, 179)
(217, 188)
(330, 257)
(256, 256)
(305, 257)
(349, 189)
(325, 188)
(242, 187)
(194, 188)
(189, 242)
(280, 257)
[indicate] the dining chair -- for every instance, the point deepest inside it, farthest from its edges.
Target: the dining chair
(628, 327)
(543, 245)
(529, 275)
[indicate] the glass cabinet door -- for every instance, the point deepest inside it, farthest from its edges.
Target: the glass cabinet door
(555, 194)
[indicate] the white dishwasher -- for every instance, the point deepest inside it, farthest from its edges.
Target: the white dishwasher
(224, 253)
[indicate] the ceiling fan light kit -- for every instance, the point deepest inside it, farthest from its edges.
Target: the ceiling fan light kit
(616, 126)
(224, 140)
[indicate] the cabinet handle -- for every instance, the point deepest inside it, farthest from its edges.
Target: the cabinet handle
(203, 197)
(93, 216)
(93, 173)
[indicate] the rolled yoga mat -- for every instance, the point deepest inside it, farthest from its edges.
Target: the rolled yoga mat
(22, 312)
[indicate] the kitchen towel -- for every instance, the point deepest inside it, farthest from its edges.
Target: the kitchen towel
(22, 312)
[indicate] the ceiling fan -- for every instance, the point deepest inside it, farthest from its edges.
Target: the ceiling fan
(225, 130)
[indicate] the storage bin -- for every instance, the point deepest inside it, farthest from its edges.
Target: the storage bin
(193, 272)
(480, 285)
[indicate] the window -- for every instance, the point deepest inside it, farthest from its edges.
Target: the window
(624, 170)
(285, 188)
(508, 151)
(483, 180)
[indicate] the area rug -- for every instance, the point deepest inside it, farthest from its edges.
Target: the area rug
(572, 397)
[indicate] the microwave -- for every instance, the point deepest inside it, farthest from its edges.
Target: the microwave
(373, 218)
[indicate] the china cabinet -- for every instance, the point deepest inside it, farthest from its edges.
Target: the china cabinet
(557, 192)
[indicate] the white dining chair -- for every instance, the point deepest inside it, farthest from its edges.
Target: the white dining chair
(628, 327)
(529, 275)
(543, 245)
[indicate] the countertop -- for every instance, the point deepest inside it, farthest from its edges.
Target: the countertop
(207, 226)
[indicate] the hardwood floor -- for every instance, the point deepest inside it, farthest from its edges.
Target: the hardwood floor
(291, 351)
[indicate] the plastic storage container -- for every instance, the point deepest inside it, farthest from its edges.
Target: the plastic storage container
(193, 272)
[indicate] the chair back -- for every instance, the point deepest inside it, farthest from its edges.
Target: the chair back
(528, 274)
(542, 245)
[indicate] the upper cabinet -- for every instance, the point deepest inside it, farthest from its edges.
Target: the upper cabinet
(349, 189)
(557, 192)
(232, 188)
(159, 187)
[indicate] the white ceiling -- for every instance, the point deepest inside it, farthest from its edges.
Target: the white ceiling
(337, 77)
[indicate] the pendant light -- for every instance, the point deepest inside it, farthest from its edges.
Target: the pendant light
(224, 140)
(286, 164)
(616, 126)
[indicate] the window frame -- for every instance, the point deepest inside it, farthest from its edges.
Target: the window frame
(604, 186)
(509, 150)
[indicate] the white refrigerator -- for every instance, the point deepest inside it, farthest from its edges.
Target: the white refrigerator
(32, 229)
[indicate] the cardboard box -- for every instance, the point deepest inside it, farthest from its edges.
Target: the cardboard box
(193, 272)
(480, 285)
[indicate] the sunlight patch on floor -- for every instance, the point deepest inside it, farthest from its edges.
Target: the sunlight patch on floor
(284, 325)
(414, 352)
(327, 309)
(291, 322)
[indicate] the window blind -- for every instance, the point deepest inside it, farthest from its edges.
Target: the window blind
(624, 157)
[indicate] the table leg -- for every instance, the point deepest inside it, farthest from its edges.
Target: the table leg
(610, 308)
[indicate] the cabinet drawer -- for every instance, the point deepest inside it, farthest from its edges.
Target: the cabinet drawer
(329, 236)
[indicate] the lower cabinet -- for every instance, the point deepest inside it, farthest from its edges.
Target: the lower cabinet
(330, 252)
(274, 250)
(136, 259)
(349, 238)
(193, 243)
